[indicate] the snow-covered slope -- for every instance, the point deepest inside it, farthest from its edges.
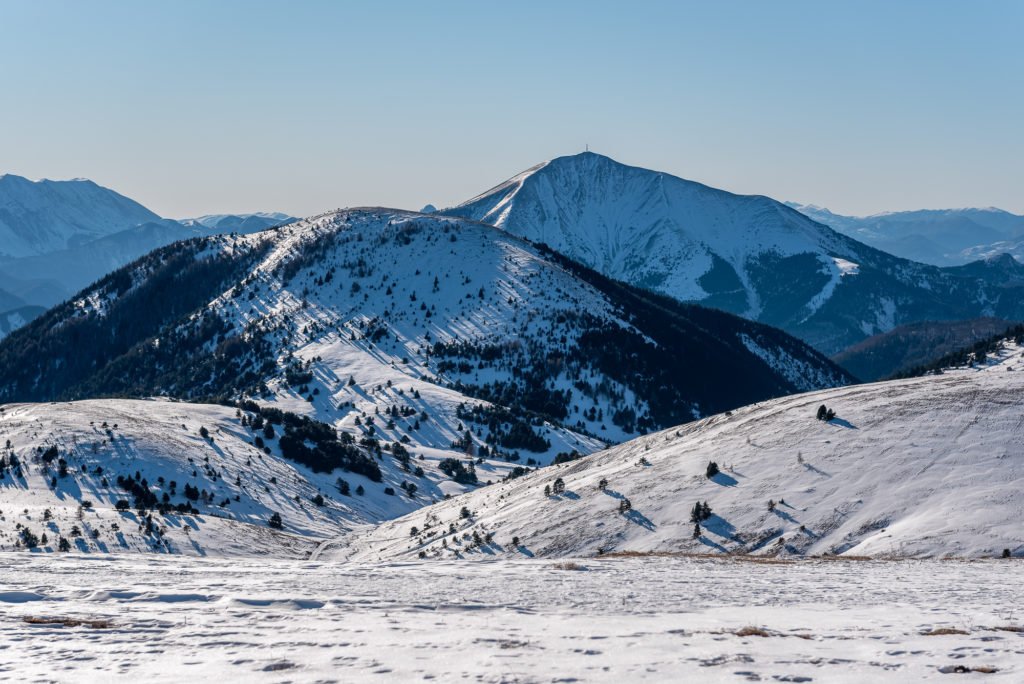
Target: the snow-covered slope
(37, 217)
(160, 445)
(445, 338)
(749, 255)
(943, 237)
(932, 466)
(354, 312)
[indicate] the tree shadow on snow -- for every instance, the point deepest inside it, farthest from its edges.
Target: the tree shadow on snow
(525, 551)
(714, 545)
(571, 495)
(719, 526)
(843, 423)
(640, 519)
(724, 480)
(612, 493)
(785, 516)
(816, 470)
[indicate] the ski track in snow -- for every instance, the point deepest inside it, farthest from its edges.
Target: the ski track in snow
(626, 619)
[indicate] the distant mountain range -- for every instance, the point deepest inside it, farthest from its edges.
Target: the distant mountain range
(56, 237)
(749, 255)
(942, 237)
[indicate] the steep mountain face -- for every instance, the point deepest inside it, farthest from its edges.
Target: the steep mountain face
(396, 325)
(749, 255)
(46, 216)
(907, 346)
(942, 237)
(925, 467)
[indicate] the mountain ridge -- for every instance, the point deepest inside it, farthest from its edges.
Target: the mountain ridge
(746, 254)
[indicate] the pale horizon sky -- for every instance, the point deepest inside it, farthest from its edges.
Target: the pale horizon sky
(194, 108)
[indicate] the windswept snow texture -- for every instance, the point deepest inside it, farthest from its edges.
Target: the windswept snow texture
(749, 255)
(611, 620)
(927, 467)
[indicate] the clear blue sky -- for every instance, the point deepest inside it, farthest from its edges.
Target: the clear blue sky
(217, 106)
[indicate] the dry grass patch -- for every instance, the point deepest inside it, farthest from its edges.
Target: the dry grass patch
(569, 565)
(1010, 628)
(943, 630)
(69, 622)
(752, 631)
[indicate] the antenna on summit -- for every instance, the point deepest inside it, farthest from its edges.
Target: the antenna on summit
(588, 147)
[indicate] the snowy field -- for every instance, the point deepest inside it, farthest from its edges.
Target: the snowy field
(622, 620)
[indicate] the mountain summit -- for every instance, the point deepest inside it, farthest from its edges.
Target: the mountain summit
(37, 217)
(747, 254)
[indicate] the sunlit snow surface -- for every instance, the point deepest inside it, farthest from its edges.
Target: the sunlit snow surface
(624, 620)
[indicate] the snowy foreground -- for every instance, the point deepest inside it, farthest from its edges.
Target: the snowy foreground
(622, 619)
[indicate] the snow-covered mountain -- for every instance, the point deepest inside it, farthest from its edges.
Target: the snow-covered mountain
(75, 267)
(931, 466)
(942, 237)
(459, 308)
(37, 217)
(446, 351)
(226, 223)
(56, 237)
(749, 255)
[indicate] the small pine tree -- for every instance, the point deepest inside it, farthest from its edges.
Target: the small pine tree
(625, 505)
(771, 505)
(559, 486)
(1006, 553)
(465, 512)
(603, 484)
(515, 541)
(63, 545)
(275, 521)
(712, 469)
(696, 531)
(821, 412)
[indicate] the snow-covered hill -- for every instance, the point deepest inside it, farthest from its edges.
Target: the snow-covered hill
(932, 466)
(37, 217)
(240, 477)
(355, 313)
(749, 255)
(943, 237)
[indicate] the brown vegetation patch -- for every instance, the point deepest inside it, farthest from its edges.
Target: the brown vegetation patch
(569, 565)
(752, 631)
(69, 622)
(1009, 628)
(943, 630)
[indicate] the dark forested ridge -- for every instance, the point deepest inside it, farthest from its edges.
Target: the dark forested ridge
(102, 345)
(968, 355)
